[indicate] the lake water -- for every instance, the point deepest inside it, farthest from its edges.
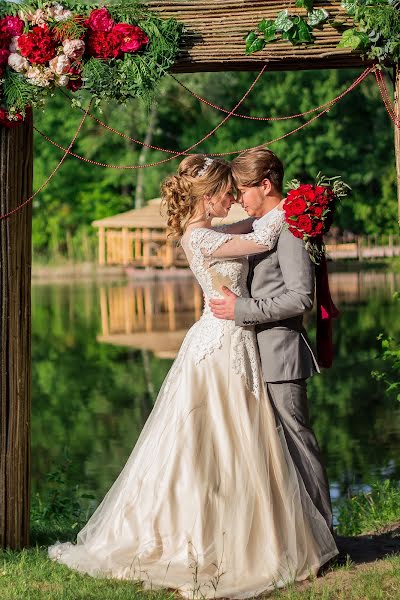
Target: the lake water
(101, 351)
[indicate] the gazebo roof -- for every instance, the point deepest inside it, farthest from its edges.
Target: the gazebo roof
(150, 217)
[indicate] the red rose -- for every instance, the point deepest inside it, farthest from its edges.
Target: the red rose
(132, 38)
(317, 210)
(304, 223)
(12, 25)
(296, 232)
(318, 228)
(38, 46)
(103, 45)
(5, 39)
(6, 122)
(295, 207)
(4, 54)
(100, 20)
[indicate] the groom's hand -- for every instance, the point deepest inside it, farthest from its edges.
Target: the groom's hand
(224, 309)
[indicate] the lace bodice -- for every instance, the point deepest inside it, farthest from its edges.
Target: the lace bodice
(219, 259)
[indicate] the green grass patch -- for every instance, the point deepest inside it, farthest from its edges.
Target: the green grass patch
(370, 511)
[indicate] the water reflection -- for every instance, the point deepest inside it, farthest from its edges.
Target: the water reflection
(99, 359)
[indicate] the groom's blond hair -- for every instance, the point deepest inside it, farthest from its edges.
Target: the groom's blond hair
(252, 166)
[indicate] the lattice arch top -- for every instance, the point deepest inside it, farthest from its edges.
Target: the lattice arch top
(214, 33)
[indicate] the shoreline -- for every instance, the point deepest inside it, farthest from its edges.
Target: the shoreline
(93, 271)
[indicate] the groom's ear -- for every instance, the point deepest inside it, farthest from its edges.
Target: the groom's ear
(267, 186)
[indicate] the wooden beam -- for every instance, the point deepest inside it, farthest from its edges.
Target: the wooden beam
(15, 336)
(214, 32)
(102, 246)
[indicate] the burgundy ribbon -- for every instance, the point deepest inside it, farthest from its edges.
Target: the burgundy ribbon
(326, 311)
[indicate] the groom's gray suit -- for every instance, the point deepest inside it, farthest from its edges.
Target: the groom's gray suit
(281, 283)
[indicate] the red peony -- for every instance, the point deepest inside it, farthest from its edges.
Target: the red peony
(38, 46)
(100, 20)
(132, 38)
(75, 80)
(4, 54)
(5, 39)
(103, 45)
(12, 25)
(6, 122)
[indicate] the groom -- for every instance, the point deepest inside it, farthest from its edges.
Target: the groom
(281, 283)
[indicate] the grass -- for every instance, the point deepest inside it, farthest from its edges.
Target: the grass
(370, 511)
(30, 575)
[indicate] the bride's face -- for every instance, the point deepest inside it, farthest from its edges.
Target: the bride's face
(221, 203)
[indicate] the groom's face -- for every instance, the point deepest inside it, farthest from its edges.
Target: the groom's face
(252, 199)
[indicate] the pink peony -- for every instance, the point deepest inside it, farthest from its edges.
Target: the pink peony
(74, 49)
(63, 80)
(60, 64)
(58, 12)
(100, 20)
(12, 25)
(39, 17)
(132, 37)
(18, 62)
(14, 44)
(40, 76)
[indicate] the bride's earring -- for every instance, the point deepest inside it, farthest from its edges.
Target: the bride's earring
(208, 210)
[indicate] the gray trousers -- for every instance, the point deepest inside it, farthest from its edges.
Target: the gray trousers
(289, 400)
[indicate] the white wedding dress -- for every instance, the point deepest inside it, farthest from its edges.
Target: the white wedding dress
(209, 502)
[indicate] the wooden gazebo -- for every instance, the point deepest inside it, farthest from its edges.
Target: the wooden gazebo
(139, 238)
(213, 41)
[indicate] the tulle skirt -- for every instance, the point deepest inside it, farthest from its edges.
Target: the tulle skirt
(209, 503)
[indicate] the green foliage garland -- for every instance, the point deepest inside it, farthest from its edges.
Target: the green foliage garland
(375, 33)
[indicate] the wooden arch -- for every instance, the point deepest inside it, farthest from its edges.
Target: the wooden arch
(213, 41)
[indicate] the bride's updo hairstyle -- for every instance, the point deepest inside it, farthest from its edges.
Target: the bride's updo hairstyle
(182, 194)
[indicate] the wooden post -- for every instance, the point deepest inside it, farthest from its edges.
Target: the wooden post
(397, 132)
(125, 246)
(15, 336)
(102, 246)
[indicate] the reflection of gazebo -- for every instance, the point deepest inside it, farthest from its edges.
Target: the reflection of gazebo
(139, 237)
(153, 317)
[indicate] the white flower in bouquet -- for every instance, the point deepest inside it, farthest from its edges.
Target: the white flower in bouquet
(58, 12)
(40, 76)
(60, 64)
(74, 49)
(13, 47)
(39, 17)
(62, 81)
(18, 62)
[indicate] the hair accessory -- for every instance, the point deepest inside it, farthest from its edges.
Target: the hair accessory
(207, 162)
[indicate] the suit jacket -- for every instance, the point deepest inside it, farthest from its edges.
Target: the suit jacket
(281, 283)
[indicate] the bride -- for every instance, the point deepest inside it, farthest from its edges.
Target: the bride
(209, 502)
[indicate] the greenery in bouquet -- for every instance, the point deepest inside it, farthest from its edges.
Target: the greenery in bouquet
(115, 53)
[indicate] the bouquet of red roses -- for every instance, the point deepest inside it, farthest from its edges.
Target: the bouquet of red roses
(309, 210)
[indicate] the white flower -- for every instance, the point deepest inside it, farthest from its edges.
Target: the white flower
(60, 64)
(62, 80)
(14, 44)
(18, 62)
(40, 76)
(58, 12)
(38, 17)
(74, 48)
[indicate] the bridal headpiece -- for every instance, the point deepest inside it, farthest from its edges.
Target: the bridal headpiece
(207, 162)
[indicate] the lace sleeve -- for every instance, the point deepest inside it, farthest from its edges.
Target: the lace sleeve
(261, 240)
(206, 242)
